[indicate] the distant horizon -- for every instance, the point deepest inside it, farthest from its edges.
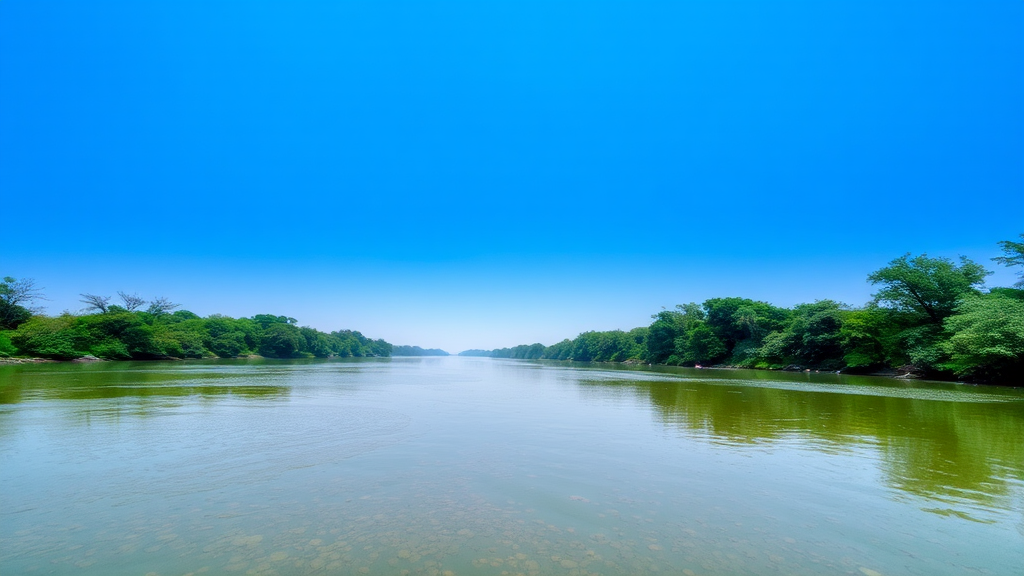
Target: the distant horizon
(365, 322)
(461, 175)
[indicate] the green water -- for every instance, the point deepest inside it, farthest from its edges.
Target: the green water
(477, 466)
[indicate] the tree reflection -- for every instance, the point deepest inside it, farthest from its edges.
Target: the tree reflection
(948, 444)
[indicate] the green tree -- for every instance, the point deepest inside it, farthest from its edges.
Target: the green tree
(560, 351)
(265, 320)
(921, 293)
(15, 298)
(1013, 256)
(987, 340)
(636, 339)
(281, 340)
(863, 336)
(720, 318)
(661, 336)
(776, 350)
(668, 326)
(228, 345)
(7, 347)
(702, 345)
(380, 348)
(127, 328)
(754, 319)
(181, 315)
(59, 338)
(180, 338)
(817, 329)
(927, 287)
(585, 347)
(315, 342)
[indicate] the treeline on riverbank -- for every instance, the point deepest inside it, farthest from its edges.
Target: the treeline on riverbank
(126, 332)
(930, 317)
(417, 351)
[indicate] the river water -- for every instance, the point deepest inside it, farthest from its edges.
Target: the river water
(442, 466)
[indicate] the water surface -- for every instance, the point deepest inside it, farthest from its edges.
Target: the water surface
(447, 466)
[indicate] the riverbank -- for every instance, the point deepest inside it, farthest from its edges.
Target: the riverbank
(907, 372)
(27, 361)
(901, 373)
(88, 358)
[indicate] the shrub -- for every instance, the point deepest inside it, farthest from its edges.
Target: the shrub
(111, 350)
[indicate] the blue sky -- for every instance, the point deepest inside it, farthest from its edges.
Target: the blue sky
(483, 174)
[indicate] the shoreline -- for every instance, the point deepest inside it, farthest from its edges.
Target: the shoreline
(890, 373)
(89, 359)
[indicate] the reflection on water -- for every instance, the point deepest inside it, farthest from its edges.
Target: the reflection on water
(475, 466)
(937, 441)
(62, 381)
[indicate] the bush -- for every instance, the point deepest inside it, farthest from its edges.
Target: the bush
(57, 345)
(987, 339)
(7, 348)
(58, 338)
(228, 345)
(111, 350)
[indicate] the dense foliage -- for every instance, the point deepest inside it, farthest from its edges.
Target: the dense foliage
(929, 316)
(125, 332)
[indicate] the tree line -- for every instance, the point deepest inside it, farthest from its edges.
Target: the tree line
(130, 330)
(929, 316)
(417, 351)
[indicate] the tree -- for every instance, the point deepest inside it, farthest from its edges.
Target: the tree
(560, 351)
(756, 319)
(668, 326)
(720, 317)
(987, 338)
(132, 302)
(14, 296)
(817, 331)
(927, 287)
(862, 337)
(281, 340)
(316, 343)
(636, 340)
(59, 338)
(93, 302)
(661, 336)
(228, 345)
(265, 320)
(777, 349)
(702, 345)
(1014, 256)
(160, 306)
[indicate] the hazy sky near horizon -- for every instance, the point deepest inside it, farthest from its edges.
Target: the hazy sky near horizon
(484, 174)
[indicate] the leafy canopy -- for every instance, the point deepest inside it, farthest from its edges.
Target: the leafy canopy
(929, 287)
(987, 337)
(1014, 256)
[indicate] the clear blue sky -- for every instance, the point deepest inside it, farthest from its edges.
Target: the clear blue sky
(483, 174)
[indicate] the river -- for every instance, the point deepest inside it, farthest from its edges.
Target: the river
(442, 466)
